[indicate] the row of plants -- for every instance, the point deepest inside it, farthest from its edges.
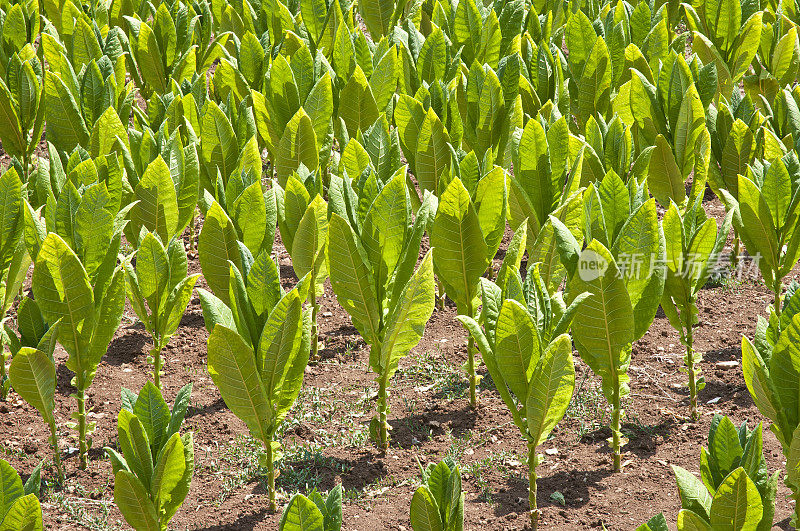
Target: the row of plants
(441, 123)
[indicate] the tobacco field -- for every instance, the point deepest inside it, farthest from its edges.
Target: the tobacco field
(429, 265)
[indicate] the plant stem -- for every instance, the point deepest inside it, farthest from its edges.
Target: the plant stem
(83, 447)
(271, 477)
(735, 253)
(535, 513)
(616, 412)
(56, 453)
(777, 289)
(440, 295)
(3, 374)
(191, 230)
(314, 311)
(155, 352)
(692, 376)
(383, 408)
(473, 397)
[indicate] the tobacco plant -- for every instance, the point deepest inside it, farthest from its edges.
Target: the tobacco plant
(303, 222)
(259, 343)
(153, 474)
(546, 180)
(769, 364)
(619, 269)
(735, 490)
(76, 277)
(766, 218)
(22, 107)
(14, 259)
(161, 52)
(313, 513)
(19, 506)
(728, 34)
(371, 263)
(33, 370)
(159, 289)
(528, 353)
(438, 504)
(692, 252)
(466, 234)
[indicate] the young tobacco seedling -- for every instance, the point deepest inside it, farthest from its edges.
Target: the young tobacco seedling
(693, 247)
(153, 474)
(313, 513)
(528, 353)
(372, 273)
(33, 369)
(770, 365)
(438, 504)
(19, 505)
(14, 260)
(735, 490)
(258, 345)
(465, 236)
(159, 288)
(619, 269)
(90, 315)
(729, 448)
(656, 523)
(303, 222)
(766, 218)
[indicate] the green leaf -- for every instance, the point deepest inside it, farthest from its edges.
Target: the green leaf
(550, 389)
(65, 126)
(603, 330)
(297, 146)
(216, 247)
(233, 369)
(351, 279)
(301, 515)
(62, 290)
(737, 503)
(425, 511)
(133, 502)
(459, 249)
(11, 488)
(694, 495)
(309, 251)
(169, 469)
(33, 377)
(357, 105)
(157, 207)
(24, 515)
(517, 347)
(153, 413)
(407, 317)
(690, 521)
(664, 177)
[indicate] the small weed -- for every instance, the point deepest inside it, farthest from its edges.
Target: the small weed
(300, 467)
(434, 372)
(87, 513)
(588, 407)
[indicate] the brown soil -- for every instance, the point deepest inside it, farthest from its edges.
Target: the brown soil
(431, 418)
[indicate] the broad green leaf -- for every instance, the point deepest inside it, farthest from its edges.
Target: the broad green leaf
(133, 502)
(737, 504)
(550, 389)
(459, 248)
(351, 279)
(233, 369)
